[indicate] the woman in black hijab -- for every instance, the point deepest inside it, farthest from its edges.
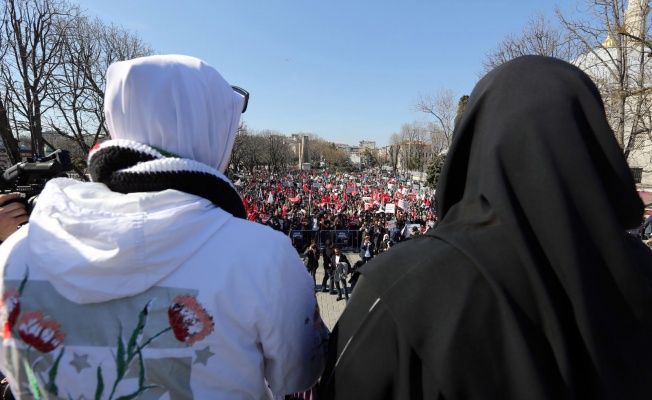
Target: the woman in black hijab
(529, 287)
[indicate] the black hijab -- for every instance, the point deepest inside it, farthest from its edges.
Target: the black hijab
(536, 192)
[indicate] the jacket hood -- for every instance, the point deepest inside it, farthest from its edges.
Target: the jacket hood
(96, 245)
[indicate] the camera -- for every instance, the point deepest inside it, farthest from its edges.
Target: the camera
(29, 178)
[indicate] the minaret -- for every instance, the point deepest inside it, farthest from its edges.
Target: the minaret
(304, 151)
(635, 15)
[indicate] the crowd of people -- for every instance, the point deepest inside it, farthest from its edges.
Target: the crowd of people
(370, 203)
(153, 280)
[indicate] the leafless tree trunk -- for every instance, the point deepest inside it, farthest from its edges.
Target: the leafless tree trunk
(78, 94)
(412, 142)
(6, 132)
(396, 143)
(615, 56)
(443, 107)
(276, 150)
(539, 37)
(35, 31)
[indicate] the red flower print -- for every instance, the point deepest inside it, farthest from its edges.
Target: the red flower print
(9, 310)
(44, 334)
(189, 320)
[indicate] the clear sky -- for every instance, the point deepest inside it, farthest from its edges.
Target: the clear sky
(347, 70)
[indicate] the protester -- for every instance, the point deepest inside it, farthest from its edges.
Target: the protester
(385, 244)
(355, 273)
(327, 255)
(311, 260)
(512, 297)
(318, 201)
(149, 281)
(341, 267)
(367, 249)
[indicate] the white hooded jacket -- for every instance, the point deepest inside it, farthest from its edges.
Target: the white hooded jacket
(91, 260)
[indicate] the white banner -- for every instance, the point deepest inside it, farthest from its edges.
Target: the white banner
(403, 204)
(390, 209)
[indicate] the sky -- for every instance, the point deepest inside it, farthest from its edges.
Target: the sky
(346, 70)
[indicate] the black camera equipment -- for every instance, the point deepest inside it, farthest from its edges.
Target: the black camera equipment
(29, 178)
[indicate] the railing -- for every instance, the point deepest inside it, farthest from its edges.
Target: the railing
(344, 239)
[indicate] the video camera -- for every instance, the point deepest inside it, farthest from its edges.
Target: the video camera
(29, 178)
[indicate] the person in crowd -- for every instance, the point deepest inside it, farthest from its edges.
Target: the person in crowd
(355, 273)
(385, 244)
(395, 235)
(647, 227)
(364, 231)
(12, 214)
(512, 297)
(327, 256)
(311, 260)
(135, 283)
(367, 249)
(379, 232)
(341, 268)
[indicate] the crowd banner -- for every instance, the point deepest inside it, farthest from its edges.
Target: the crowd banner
(344, 239)
(390, 208)
(402, 204)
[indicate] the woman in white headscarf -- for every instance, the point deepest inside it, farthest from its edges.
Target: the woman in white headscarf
(144, 280)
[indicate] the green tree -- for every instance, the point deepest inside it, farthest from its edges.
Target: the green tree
(434, 170)
(461, 105)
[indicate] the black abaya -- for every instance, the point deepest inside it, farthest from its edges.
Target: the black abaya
(529, 287)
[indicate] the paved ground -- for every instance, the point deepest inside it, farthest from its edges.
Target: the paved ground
(328, 305)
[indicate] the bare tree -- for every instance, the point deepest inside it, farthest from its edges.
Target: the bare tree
(35, 31)
(442, 106)
(6, 132)
(277, 150)
(413, 145)
(248, 150)
(615, 42)
(539, 37)
(238, 150)
(78, 94)
(395, 144)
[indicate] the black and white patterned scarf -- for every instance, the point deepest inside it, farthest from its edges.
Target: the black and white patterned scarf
(126, 166)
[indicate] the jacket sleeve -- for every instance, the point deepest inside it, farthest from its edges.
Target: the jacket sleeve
(293, 337)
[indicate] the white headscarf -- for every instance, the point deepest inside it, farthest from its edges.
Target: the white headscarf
(175, 103)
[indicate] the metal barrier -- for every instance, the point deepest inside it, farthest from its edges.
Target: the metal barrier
(344, 239)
